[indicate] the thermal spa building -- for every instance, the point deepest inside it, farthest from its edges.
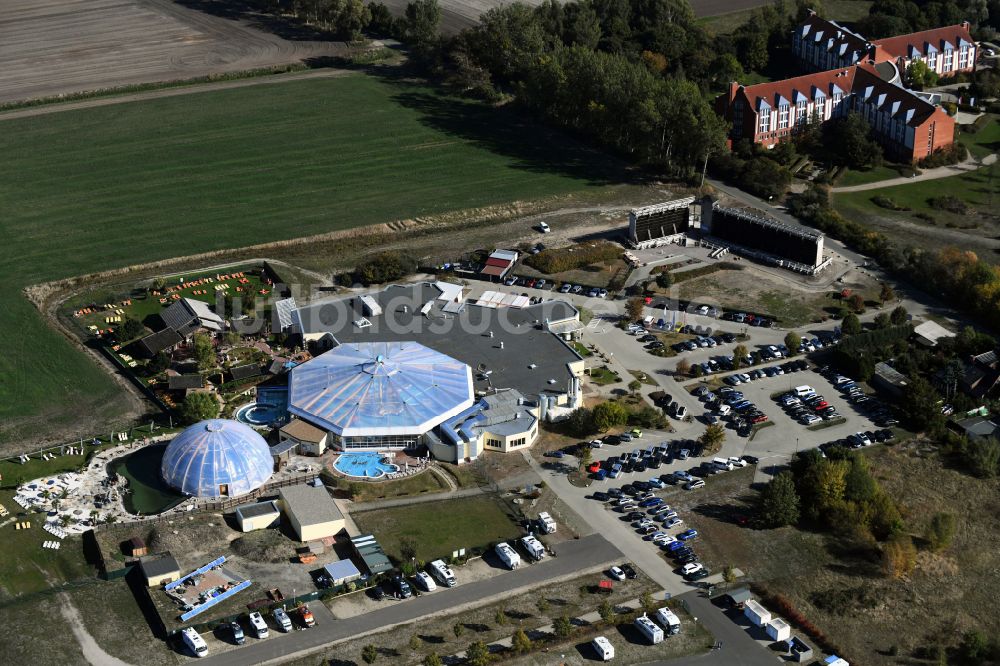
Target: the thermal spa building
(390, 396)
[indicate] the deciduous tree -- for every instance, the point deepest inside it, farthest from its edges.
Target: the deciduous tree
(712, 438)
(779, 502)
(609, 414)
(793, 341)
(199, 406)
(899, 556)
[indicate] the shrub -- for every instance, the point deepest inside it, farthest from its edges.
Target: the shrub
(945, 156)
(571, 258)
(948, 203)
(383, 267)
(899, 557)
(941, 531)
(886, 202)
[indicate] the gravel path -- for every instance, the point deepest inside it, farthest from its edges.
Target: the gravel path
(91, 650)
(970, 164)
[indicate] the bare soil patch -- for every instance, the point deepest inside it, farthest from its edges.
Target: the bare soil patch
(68, 46)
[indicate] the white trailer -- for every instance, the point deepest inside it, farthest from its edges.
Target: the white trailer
(194, 642)
(534, 547)
(722, 464)
(424, 580)
(756, 613)
(443, 573)
(604, 649)
(778, 629)
(649, 629)
(508, 555)
(547, 524)
(669, 621)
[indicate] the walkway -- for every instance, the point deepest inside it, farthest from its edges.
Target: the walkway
(416, 499)
(572, 559)
(969, 165)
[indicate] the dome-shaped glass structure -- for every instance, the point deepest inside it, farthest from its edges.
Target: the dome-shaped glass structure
(217, 458)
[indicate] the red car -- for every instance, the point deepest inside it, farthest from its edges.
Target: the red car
(760, 419)
(821, 405)
(594, 468)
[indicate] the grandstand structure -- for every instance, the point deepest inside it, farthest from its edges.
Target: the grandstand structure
(661, 224)
(762, 238)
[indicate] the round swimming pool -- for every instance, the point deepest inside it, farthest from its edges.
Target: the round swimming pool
(258, 414)
(366, 465)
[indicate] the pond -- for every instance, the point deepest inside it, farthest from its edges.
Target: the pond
(149, 494)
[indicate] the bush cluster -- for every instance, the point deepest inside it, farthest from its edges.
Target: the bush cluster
(571, 258)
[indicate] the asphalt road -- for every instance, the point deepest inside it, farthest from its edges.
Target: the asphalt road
(571, 558)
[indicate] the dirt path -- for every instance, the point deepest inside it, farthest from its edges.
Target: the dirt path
(91, 650)
(172, 92)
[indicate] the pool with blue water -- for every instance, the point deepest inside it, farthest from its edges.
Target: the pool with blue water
(271, 405)
(366, 465)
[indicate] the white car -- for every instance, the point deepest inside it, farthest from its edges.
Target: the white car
(738, 462)
(663, 539)
(673, 522)
(596, 443)
(691, 568)
(544, 228)
(616, 573)
(668, 515)
(809, 419)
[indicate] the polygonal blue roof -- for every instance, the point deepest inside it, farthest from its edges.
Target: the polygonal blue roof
(217, 458)
(379, 388)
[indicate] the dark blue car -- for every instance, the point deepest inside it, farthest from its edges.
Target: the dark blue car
(688, 535)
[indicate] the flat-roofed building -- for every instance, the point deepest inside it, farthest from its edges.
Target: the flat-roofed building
(311, 512)
(159, 569)
(309, 440)
(258, 516)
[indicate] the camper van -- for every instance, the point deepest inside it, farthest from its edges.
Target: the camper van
(547, 524)
(424, 581)
(443, 573)
(649, 629)
(669, 621)
(534, 547)
(195, 643)
(281, 617)
(258, 624)
(508, 555)
(604, 649)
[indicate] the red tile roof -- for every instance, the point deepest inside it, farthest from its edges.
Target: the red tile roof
(866, 77)
(824, 81)
(814, 25)
(899, 47)
(502, 263)
(498, 271)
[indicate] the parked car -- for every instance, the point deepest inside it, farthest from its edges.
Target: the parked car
(616, 573)
(687, 535)
(694, 485)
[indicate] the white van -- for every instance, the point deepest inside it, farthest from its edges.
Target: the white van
(669, 621)
(803, 390)
(722, 464)
(443, 573)
(258, 624)
(604, 649)
(195, 643)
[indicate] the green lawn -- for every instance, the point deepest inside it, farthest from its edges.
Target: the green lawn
(94, 189)
(26, 567)
(984, 142)
(851, 177)
(439, 528)
(972, 188)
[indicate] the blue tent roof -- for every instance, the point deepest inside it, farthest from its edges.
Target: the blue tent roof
(380, 388)
(217, 458)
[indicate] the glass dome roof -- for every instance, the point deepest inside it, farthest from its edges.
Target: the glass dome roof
(217, 458)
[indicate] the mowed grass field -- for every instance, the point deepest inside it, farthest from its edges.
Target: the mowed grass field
(93, 189)
(438, 528)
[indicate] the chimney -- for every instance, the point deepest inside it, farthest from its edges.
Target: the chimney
(733, 87)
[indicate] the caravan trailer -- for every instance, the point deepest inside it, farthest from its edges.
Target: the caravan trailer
(548, 525)
(258, 624)
(195, 643)
(443, 573)
(604, 649)
(669, 621)
(649, 629)
(508, 555)
(534, 547)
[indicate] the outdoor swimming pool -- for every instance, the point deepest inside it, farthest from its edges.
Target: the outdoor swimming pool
(271, 405)
(369, 464)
